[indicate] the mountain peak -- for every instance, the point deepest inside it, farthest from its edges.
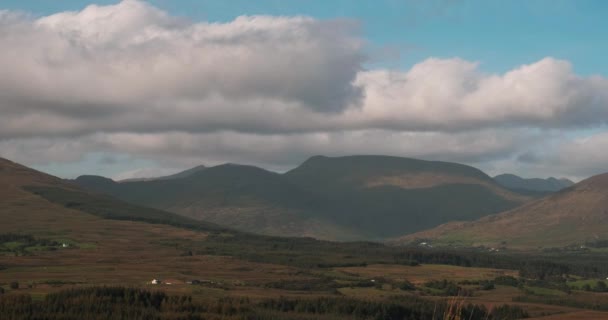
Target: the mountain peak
(366, 165)
(93, 179)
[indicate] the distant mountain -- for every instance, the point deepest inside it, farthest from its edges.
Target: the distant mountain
(572, 216)
(356, 197)
(178, 175)
(516, 183)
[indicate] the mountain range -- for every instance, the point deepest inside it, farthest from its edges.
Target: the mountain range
(340, 198)
(538, 185)
(359, 196)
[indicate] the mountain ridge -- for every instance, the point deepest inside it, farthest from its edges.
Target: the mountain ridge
(515, 183)
(181, 174)
(345, 198)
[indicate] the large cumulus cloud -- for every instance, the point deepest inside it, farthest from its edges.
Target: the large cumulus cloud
(131, 61)
(132, 79)
(453, 94)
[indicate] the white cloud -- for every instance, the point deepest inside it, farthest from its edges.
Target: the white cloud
(581, 157)
(123, 61)
(453, 94)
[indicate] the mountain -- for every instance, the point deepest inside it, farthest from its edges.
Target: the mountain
(243, 197)
(342, 198)
(516, 183)
(183, 174)
(392, 195)
(572, 216)
(178, 175)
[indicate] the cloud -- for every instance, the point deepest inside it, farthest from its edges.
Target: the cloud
(453, 95)
(82, 69)
(582, 156)
(278, 152)
(132, 79)
(132, 67)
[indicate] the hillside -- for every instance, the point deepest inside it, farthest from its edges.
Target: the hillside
(357, 197)
(573, 216)
(516, 183)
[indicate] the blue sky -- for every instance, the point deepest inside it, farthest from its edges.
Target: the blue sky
(499, 34)
(545, 111)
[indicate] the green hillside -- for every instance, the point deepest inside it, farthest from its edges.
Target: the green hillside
(357, 197)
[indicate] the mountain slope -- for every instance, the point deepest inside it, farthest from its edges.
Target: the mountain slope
(358, 197)
(513, 182)
(572, 216)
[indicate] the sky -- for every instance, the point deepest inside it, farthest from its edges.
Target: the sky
(134, 88)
